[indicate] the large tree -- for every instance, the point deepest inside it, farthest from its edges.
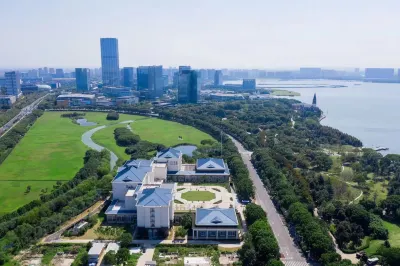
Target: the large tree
(254, 212)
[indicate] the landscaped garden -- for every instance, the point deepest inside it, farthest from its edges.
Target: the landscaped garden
(198, 196)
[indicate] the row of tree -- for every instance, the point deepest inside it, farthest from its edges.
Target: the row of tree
(24, 229)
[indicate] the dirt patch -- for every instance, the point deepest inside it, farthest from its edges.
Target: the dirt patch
(63, 260)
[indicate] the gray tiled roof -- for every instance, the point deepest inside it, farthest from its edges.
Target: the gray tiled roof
(216, 217)
(210, 164)
(169, 153)
(154, 197)
(133, 171)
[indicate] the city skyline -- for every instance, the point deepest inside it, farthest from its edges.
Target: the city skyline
(265, 34)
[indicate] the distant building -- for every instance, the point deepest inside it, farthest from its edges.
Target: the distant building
(126, 100)
(226, 97)
(150, 80)
(32, 88)
(127, 77)
(249, 84)
(33, 73)
(13, 83)
(82, 79)
(60, 73)
(218, 78)
(310, 72)
(306, 106)
(117, 91)
(76, 100)
(188, 87)
(110, 61)
(379, 73)
(6, 101)
(52, 70)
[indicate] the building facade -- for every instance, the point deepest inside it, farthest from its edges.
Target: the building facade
(76, 100)
(218, 78)
(216, 223)
(13, 83)
(110, 61)
(127, 77)
(82, 79)
(188, 86)
(150, 80)
(60, 73)
(249, 84)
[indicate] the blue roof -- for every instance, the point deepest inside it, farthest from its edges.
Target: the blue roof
(210, 164)
(216, 217)
(133, 171)
(154, 197)
(169, 153)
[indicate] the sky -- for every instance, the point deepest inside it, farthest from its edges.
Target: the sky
(278, 34)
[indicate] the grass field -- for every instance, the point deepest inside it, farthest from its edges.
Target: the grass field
(394, 238)
(198, 196)
(52, 151)
(151, 129)
(284, 93)
(379, 189)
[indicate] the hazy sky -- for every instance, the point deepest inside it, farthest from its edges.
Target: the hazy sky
(205, 33)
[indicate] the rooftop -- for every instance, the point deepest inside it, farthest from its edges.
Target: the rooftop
(76, 95)
(210, 164)
(154, 197)
(96, 248)
(134, 171)
(216, 217)
(118, 207)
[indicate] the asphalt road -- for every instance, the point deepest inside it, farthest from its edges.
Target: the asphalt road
(24, 112)
(292, 256)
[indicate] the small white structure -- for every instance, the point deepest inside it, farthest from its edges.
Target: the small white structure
(95, 251)
(197, 261)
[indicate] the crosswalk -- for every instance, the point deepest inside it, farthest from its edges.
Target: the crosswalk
(294, 263)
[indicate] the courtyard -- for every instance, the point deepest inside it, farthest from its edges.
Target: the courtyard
(189, 197)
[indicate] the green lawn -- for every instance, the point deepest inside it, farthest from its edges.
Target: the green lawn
(154, 130)
(52, 151)
(198, 196)
(394, 238)
(284, 93)
(379, 189)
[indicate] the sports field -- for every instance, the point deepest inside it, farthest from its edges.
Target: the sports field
(198, 196)
(52, 151)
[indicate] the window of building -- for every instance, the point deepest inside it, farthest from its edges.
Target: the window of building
(232, 233)
(212, 233)
(202, 233)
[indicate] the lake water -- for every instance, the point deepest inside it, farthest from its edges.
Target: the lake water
(83, 122)
(186, 149)
(365, 110)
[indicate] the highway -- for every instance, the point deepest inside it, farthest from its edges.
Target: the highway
(291, 255)
(24, 112)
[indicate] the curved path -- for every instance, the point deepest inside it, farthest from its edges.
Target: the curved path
(87, 140)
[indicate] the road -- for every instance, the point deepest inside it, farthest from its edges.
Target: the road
(24, 112)
(292, 256)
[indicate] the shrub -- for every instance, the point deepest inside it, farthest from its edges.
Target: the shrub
(112, 116)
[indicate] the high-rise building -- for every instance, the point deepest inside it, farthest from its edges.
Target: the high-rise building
(249, 84)
(150, 80)
(218, 78)
(127, 76)
(60, 73)
(310, 72)
(188, 87)
(13, 83)
(33, 73)
(82, 79)
(45, 70)
(379, 73)
(110, 61)
(52, 70)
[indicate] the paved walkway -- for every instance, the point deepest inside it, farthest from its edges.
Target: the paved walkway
(87, 140)
(147, 256)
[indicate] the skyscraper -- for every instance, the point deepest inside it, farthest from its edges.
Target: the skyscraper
(110, 61)
(150, 80)
(249, 84)
(218, 78)
(59, 73)
(13, 83)
(127, 77)
(82, 79)
(188, 87)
